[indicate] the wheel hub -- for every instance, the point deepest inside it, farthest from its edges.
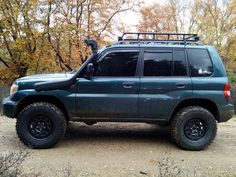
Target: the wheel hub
(195, 129)
(40, 126)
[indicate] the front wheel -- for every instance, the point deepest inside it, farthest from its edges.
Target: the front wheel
(40, 125)
(193, 128)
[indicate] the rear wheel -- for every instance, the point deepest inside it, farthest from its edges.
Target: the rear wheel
(40, 125)
(193, 128)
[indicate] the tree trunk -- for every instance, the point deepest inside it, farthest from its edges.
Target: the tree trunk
(22, 70)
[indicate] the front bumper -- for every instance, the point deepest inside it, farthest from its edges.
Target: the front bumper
(9, 107)
(226, 112)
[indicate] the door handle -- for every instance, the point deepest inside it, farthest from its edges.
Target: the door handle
(181, 84)
(128, 84)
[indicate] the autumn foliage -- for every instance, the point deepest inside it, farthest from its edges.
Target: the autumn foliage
(213, 20)
(47, 35)
(38, 36)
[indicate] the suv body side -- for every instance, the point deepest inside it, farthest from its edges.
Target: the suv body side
(162, 78)
(152, 98)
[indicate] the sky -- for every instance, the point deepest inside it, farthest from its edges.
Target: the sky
(131, 18)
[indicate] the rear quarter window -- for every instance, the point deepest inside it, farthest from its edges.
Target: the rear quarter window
(199, 62)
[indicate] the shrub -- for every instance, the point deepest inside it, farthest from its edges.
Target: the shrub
(10, 163)
(233, 93)
(4, 92)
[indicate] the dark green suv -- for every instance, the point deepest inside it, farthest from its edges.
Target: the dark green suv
(166, 79)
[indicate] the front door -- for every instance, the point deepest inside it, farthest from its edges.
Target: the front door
(113, 89)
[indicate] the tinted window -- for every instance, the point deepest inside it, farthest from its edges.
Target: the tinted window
(200, 63)
(117, 64)
(158, 64)
(179, 63)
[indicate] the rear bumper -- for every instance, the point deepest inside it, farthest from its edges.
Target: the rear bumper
(226, 112)
(9, 107)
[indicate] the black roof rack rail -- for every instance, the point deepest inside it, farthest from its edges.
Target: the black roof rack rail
(158, 38)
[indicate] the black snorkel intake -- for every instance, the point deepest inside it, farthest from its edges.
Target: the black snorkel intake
(93, 44)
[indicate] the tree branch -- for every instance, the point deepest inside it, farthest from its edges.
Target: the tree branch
(4, 62)
(109, 20)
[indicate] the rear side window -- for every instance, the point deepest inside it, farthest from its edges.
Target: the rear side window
(158, 63)
(180, 68)
(117, 64)
(199, 62)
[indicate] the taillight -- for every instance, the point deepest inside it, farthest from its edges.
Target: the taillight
(227, 91)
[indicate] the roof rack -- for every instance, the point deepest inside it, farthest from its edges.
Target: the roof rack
(158, 38)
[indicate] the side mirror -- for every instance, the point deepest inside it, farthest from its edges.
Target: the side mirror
(90, 70)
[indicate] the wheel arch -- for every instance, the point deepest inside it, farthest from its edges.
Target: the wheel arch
(42, 98)
(204, 103)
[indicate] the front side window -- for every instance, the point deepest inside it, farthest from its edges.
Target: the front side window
(117, 64)
(200, 63)
(158, 63)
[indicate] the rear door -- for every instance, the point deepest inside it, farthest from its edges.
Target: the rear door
(113, 90)
(164, 82)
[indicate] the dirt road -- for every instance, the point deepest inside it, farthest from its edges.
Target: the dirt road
(125, 149)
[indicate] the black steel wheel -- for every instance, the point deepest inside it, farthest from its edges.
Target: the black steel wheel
(195, 129)
(40, 126)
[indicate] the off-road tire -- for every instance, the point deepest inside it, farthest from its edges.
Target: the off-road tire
(182, 119)
(53, 114)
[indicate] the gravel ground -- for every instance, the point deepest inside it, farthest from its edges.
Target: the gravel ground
(122, 150)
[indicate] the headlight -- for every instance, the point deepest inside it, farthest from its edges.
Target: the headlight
(13, 89)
